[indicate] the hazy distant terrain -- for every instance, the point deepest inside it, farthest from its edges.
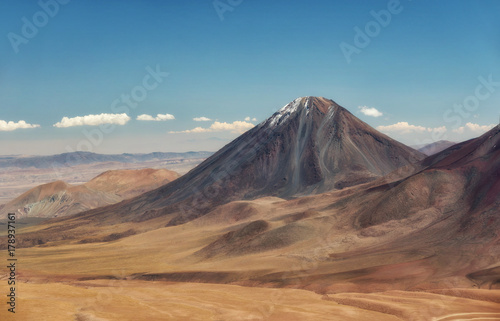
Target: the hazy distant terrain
(58, 198)
(84, 158)
(19, 174)
(433, 148)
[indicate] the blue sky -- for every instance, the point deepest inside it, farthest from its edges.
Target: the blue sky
(428, 70)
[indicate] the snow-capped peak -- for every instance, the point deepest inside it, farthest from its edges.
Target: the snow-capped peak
(285, 112)
(308, 103)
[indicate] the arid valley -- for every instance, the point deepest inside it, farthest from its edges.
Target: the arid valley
(237, 160)
(310, 215)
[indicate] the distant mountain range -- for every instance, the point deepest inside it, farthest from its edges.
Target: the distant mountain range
(433, 148)
(80, 158)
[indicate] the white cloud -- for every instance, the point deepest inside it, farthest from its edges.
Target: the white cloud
(10, 126)
(250, 119)
(237, 127)
(370, 111)
(401, 127)
(475, 128)
(145, 117)
(159, 117)
(93, 120)
(405, 128)
(201, 119)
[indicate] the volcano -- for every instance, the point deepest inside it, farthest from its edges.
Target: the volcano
(309, 146)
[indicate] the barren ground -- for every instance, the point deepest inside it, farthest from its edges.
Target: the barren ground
(165, 274)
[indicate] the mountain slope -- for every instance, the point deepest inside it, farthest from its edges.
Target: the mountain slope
(309, 146)
(461, 179)
(61, 199)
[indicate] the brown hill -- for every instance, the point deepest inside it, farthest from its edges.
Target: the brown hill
(61, 199)
(129, 183)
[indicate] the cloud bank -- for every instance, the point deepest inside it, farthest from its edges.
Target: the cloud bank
(474, 128)
(93, 120)
(10, 126)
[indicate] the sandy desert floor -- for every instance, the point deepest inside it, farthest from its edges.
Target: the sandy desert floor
(141, 300)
